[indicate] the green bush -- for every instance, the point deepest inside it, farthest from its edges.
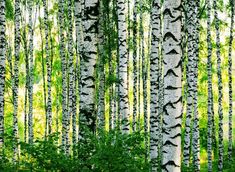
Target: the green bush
(111, 151)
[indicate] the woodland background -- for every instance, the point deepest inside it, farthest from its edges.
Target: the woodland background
(48, 30)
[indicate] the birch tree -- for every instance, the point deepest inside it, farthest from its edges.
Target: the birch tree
(101, 94)
(154, 75)
(210, 93)
(88, 62)
(30, 91)
(172, 116)
(2, 69)
(64, 73)
(15, 88)
(122, 67)
(48, 64)
(191, 16)
(230, 134)
(135, 79)
(220, 88)
(195, 132)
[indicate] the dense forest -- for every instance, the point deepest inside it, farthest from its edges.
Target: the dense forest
(117, 85)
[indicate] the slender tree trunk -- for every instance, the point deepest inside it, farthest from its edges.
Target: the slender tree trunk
(71, 77)
(196, 135)
(79, 45)
(16, 80)
(135, 79)
(87, 67)
(111, 68)
(79, 23)
(64, 74)
(172, 56)
(101, 96)
(220, 89)
(50, 74)
(230, 64)
(30, 90)
(210, 105)
(116, 85)
(144, 77)
(210, 93)
(25, 45)
(79, 41)
(123, 80)
(48, 60)
(139, 67)
(43, 76)
(57, 109)
(128, 49)
(191, 15)
(154, 85)
(2, 69)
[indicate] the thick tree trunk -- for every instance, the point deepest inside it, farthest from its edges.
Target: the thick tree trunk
(87, 67)
(172, 56)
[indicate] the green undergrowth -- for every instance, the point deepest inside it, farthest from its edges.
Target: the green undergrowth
(109, 152)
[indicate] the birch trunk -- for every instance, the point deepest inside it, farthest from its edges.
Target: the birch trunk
(172, 57)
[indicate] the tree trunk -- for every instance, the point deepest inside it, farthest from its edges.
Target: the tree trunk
(79, 44)
(43, 76)
(190, 22)
(16, 80)
(30, 90)
(101, 92)
(122, 73)
(48, 61)
(87, 67)
(195, 132)
(230, 64)
(135, 79)
(220, 89)
(154, 85)
(210, 93)
(2, 69)
(172, 56)
(64, 74)
(71, 77)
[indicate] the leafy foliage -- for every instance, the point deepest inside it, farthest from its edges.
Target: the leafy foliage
(108, 152)
(9, 10)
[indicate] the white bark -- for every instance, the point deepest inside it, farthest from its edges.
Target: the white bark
(172, 117)
(122, 73)
(87, 67)
(154, 85)
(2, 69)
